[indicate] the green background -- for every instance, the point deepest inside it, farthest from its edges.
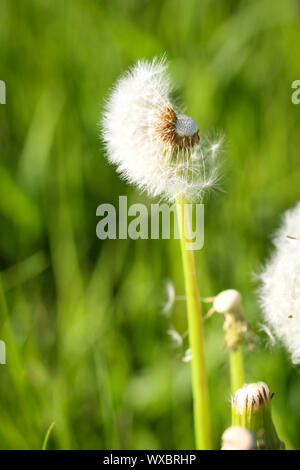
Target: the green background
(87, 343)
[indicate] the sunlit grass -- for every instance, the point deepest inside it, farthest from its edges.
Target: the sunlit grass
(87, 344)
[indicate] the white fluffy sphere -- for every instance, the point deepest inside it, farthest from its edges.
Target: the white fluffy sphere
(280, 284)
(151, 144)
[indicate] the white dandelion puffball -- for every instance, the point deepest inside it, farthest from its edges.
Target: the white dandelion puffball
(153, 145)
(280, 285)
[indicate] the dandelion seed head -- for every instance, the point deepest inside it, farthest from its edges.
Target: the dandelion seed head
(280, 285)
(152, 144)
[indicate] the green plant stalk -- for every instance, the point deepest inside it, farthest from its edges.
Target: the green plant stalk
(49, 430)
(202, 423)
(236, 369)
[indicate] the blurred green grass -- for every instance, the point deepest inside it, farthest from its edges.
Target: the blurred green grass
(87, 345)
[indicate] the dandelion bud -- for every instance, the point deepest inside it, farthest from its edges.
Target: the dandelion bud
(152, 144)
(236, 328)
(251, 408)
(228, 301)
(238, 438)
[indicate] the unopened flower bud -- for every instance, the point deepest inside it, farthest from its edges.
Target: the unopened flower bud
(251, 397)
(227, 301)
(238, 438)
(251, 408)
(229, 304)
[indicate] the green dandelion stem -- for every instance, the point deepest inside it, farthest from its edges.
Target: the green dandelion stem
(236, 369)
(202, 423)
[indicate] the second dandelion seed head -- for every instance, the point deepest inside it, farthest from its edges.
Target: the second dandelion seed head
(280, 284)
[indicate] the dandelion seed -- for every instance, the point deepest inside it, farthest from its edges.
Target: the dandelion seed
(176, 337)
(187, 355)
(268, 332)
(280, 285)
(170, 293)
(152, 143)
